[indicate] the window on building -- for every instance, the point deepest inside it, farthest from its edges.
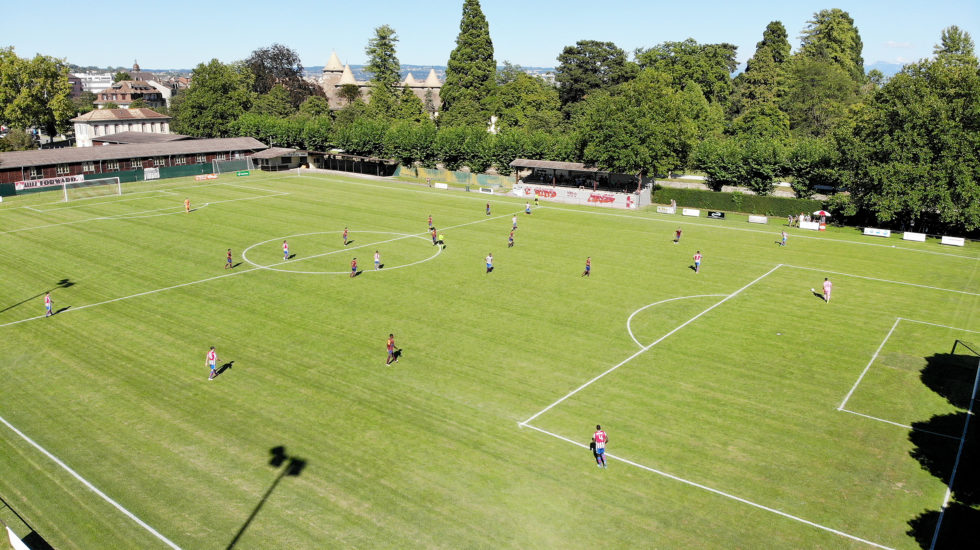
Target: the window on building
(159, 161)
(201, 159)
(88, 167)
(179, 160)
(112, 165)
(62, 170)
(35, 172)
(219, 156)
(135, 164)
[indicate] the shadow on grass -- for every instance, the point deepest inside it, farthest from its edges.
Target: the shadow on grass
(66, 308)
(278, 457)
(950, 459)
(223, 368)
(64, 283)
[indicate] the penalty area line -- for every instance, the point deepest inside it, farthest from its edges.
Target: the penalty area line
(716, 491)
(91, 487)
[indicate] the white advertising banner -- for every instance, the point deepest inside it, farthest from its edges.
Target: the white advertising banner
(440, 185)
(954, 241)
(758, 219)
(151, 174)
(813, 226)
(666, 210)
(690, 212)
(47, 182)
(875, 232)
(578, 196)
(909, 236)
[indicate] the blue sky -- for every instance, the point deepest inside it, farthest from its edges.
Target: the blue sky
(183, 33)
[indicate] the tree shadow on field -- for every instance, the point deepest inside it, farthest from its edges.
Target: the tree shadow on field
(953, 377)
(293, 467)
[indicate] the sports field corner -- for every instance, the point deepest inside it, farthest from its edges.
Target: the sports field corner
(742, 410)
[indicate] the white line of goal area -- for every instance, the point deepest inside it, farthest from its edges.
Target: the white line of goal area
(883, 280)
(629, 327)
(91, 487)
(243, 271)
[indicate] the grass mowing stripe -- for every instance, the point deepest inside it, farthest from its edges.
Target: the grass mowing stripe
(718, 492)
(91, 487)
(661, 339)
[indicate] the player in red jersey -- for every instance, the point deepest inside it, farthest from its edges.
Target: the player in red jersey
(600, 439)
(588, 267)
(435, 239)
(228, 260)
(510, 240)
(211, 360)
(390, 344)
(827, 287)
(47, 305)
(430, 221)
(346, 232)
(285, 250)
(353, 267)
(677, 235)
(488, 209)
(377, 260)
(697, 261)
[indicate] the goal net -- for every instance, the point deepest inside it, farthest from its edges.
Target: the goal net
(100, 187)
(233, 165)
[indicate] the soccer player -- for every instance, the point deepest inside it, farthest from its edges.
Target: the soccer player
(430, 221)
(535, 200)
(390, 344)
(697, 261)
(510, 240)
(601, 439)
(346, 232)
(784, 237)
(377, 260)
(513, 222)
(228, 260)
(488, 209)
(489, 263)
(47, 305)
(435, 240)
(588, 267)
(527, 208)
(827, 287)
(211, 360)
(677, 235)
(353, 267)
(187, 206)
(285, 250)
(442, 240)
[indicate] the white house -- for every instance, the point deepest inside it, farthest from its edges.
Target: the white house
(104, 122)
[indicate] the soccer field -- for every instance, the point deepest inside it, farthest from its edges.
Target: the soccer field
(742, 410)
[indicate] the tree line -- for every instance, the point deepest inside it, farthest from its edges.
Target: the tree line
(893, 152)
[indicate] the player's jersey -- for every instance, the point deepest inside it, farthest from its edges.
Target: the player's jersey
(588, 263)
(377, 257)
(229, 257)
(600, 439)
(391, 344)
(345, 233)
(47, 301)
(827, 285)
(353, 264)
(285, 247)
(212, 356)
(697, 257)
(489, 260)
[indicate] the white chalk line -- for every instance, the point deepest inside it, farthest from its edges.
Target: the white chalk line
(91, 487)
(939, 325)
(645, 348)
(868, 416)
(345, 249)
(630, 319)
(716, 491)
(956, 463)
(868, 366)
(883, 280)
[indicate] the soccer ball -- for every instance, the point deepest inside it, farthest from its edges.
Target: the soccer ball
(812, 290)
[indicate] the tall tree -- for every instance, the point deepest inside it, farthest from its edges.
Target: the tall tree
(385, 71)
(35, 92)
(956, 45)
(710, 65)
(120, 76)
(818, 95)
(831, 36)
(590, 66)
(764, 78)
(471, 71)
(275, 102)
(279, 65)
(529, 103)
(218, 95)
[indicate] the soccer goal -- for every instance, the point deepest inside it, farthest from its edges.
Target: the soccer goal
(233, 165)
(99, 187)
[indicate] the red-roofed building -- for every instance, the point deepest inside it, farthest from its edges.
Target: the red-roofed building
(125, 92)
(104, 122)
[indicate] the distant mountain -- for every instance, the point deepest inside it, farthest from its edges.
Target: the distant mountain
(418, 71)
(887, 69)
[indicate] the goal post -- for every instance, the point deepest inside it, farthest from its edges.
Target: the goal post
(233, 165)
(97, 187)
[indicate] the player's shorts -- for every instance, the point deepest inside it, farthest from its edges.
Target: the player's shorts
(353, 268)
(211, 364)
(391, 351)
(588, 268)
(48, 307)
(228, 261)
(697, 263)
(377, 262)
(489, 266)
(600, 451)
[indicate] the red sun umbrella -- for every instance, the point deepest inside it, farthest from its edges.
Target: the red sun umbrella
(822, 213)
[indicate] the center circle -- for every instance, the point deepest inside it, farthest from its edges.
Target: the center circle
(373, 245)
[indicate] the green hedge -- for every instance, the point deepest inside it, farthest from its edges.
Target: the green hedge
(735, 202)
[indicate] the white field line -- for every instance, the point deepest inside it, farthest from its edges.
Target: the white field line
(630, 319)
(91, 487)
(34, 210)
(884, 280)
(247, 270)
(368, 245)
(956, 463)
(716, 491)
(645, 348)
(897, 424)
(868, 366)
(59, 209)
(938, 325)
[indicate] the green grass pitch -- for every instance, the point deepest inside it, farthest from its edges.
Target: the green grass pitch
(742, 410)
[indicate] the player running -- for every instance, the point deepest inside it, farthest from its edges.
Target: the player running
(784, 236)
(377, 260)
(211, 360)
(827, 287)
(187, 206)
(353, 267)
(430, 221)
(346, 232)
(510, 240)
(697, 261)
(513, 222)
(285, 251)
(435, 238)
(527, 208)
(588, 267)
(677, 235)
(47, 305)
(601, 439)
(489, 263)
(390, 344)
(228, 260)
(488, 209)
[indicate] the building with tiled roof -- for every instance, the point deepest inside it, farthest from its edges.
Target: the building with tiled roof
(336, 75)
(104, 122)
(125, 92)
